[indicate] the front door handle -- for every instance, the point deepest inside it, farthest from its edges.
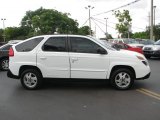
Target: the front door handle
(43, 58)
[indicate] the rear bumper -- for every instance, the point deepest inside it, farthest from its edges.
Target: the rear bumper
(145, 77)
(10, 75)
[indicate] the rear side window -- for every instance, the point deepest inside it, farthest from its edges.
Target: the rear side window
(55, 44)
(28, 45)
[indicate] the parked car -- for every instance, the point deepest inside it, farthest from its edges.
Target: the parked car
(152, 50)
(146, 42)
(4, 57)
(2, 43)
(74, 56)
(130, 42)
(127, 47)
(14, 41)
(123, 46)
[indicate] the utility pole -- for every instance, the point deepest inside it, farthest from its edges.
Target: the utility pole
(4, 36)
(151, 27)
(149, 18)
(129, 30)
(106, 28)
(154, 15)
(154, 22)
(95, 31)
(89, 8)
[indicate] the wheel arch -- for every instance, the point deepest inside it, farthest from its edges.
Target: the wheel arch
(116, 67)
(25, 67)
(4, 57)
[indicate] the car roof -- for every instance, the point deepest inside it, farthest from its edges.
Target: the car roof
(61, 35)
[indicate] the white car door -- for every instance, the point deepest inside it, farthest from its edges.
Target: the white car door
(85, 61)
(53, 58)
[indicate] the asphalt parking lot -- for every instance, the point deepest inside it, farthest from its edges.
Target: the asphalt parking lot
(81, 100)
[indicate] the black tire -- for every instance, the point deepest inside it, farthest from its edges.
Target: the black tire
(115, 75)
(33, 74)
(2, 66)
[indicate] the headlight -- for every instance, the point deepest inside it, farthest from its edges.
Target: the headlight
(140, 58)
(155, 49)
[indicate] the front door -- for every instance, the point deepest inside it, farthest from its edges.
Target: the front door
(85, 61)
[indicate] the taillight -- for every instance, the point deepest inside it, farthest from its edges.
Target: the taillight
(11, 52)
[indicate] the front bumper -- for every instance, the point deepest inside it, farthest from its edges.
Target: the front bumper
(152, 53)
(10, 75)
(145, 77)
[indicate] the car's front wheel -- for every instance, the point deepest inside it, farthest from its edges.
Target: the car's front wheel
(31, 79)
(4, 64)
(122, 79)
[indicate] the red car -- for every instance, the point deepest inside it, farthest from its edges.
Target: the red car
(127, 47)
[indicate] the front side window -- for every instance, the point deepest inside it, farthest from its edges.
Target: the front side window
(56, 44)
(83, 45)
(28, 45)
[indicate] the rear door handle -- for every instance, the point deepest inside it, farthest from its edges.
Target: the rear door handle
(74, 60)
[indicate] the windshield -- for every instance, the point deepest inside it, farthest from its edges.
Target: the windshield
(130, 41)
(146, 42)
(157, 43)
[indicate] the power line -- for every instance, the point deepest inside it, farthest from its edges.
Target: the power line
(97, 25)
(85, 22)
(116, 23)
(103, 23)
(118, 7)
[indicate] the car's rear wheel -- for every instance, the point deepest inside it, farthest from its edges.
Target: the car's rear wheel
(122, 79)
(4, 64)
(31, 79)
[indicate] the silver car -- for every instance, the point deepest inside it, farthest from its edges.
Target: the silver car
(152, 50)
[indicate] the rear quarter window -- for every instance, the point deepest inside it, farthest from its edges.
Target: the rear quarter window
(28, 45)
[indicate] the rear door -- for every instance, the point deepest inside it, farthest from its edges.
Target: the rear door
(85, 61)
(53, 58)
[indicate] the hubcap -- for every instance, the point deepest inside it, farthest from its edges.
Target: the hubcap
(5, 64)
(30, 80)
(123, 80)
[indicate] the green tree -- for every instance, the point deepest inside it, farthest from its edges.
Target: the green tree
(124, 20)
(85, 30)
(110, 36)
(1, 35)
(141, 35)
(13, 33)
(48, 21)
(156, 31)
(146, 34)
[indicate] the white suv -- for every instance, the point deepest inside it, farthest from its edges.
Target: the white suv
(74, 56)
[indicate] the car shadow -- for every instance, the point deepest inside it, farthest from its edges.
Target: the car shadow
(154, 58)
(84, 85)
(76, 84)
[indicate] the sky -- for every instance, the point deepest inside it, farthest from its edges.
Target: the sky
(14, 10)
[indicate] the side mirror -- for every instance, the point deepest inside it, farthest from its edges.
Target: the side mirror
(101, 51)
